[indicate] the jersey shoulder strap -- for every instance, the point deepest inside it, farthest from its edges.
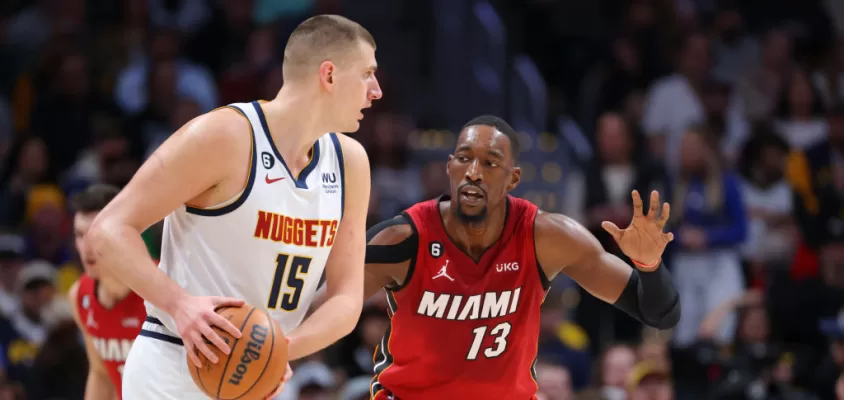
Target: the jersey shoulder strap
(85, 293)
(523, 214)
(422, 215)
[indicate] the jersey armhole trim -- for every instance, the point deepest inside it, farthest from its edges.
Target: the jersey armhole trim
(250, 180)
(341, 161)
(543, 279)
(412, 265)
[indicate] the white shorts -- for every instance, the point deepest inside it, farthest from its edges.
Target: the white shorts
(157, 367)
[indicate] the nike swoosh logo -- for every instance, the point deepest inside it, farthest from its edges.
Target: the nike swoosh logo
(268, 180)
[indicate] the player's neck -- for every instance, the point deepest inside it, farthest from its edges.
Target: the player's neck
(295, 121)
(474, 238)
(110, 292)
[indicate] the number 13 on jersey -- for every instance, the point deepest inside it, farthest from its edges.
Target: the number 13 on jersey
(499, 333)
(288, 282)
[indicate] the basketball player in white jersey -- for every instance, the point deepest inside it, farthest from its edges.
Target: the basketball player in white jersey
(258, 201)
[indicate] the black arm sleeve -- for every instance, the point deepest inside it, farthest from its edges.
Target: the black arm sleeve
(651, 298)
(394, 253)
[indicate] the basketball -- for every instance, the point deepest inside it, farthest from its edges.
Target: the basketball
(256, 364)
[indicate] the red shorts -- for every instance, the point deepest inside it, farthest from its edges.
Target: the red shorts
(385, 394)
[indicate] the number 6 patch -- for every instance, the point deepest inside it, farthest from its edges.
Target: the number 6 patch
(436, 249)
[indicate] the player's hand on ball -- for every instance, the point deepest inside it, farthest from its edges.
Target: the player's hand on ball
(287, 375)
(643, 241)
(195, 318)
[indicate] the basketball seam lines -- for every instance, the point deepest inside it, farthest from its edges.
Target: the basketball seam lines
(236, 340)
(272, 345)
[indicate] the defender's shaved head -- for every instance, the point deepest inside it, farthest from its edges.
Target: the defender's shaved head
(321, 38)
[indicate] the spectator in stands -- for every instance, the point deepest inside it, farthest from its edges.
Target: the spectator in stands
(709, 222)
(88, 168)
(11, 261)
(313, 380)
(60, 370)
(563, 342)
(753, 360)
(434, 181)
(554, 381)
(12, 391)
(6, 127)
(648, 381)
(609, 87)
(391, 168)
(831, 366)
(356, 389)
(817, 176)
(614, 367)
(752, 329)
(734, 50)
(829, 79)
(758, 90)
(654, 347)
(244, 80)
(674, 102)
(191, 80)
(23, 332)
(356, 350)
(28, 165)
(799, 116)
(63, 114)
(48, 232)
(772, 236)
(186, 15)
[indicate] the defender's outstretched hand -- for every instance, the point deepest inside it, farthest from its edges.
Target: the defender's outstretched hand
(643, 241)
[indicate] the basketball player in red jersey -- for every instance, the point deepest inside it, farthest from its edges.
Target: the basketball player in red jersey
(108, 313)
(465, 276)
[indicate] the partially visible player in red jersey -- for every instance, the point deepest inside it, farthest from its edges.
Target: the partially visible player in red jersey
(106, 311)
(465, 276)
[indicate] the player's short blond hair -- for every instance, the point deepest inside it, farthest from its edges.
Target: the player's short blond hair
(321, 38)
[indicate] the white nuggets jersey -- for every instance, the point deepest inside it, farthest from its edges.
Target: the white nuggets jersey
(268, 245)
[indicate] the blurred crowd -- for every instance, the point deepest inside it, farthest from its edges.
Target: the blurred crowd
(733, 110)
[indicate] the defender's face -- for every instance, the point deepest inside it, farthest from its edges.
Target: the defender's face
(356, 87)
(81, 224)
(481, 171)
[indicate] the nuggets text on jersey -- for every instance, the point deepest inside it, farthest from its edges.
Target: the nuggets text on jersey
(295, 231)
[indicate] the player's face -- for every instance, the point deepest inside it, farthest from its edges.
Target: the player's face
(481, 171)
(355, 87)
(81, 223)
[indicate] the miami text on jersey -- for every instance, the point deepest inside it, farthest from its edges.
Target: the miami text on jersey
(478, 306)
(295, 231)
(112, 349)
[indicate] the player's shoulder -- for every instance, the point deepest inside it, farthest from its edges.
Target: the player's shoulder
(80, 286)
(392, 231)
(559, 228)
(73, 297)
(354, 154)
(73, 292)
(226, 127)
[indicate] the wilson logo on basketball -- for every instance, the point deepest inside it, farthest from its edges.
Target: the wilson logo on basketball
(257, 337)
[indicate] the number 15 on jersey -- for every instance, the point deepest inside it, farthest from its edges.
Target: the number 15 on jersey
(288, 282)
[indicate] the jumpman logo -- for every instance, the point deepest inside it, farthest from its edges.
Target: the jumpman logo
(90, 321)
(443, 273)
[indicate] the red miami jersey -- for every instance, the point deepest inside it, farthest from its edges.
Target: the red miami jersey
(111, 330)
(461, 329)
